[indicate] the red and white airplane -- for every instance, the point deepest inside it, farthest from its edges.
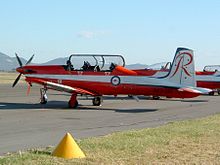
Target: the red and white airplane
(208, 78)
(104, 75)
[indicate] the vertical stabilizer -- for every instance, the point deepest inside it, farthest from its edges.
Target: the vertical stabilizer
(182, 70)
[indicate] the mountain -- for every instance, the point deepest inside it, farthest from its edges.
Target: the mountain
(136, 66)
(8, 63)
(57, 61)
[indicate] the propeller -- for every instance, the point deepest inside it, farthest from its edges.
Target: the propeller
(21, 65)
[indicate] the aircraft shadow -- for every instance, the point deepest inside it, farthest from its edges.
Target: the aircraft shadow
(139, 97)
(62, 105)
(16, 106)
(182, 100)
(195, 101)
(146, 98)
(136, 110)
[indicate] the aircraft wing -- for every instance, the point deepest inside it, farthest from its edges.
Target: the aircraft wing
(61, 87)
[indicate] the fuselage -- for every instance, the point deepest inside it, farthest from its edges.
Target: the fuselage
(208, 79)
(106, 82)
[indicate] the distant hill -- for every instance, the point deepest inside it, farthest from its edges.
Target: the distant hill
(136, 66)
(8, 63)
(57, 61)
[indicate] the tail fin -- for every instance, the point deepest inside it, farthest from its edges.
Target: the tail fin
(182, 69)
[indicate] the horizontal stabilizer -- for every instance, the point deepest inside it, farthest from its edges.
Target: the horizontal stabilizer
(201, 91)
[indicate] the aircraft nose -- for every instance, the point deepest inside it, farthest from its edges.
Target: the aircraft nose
(20, 70)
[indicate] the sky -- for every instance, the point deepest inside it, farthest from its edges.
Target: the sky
(143, 31)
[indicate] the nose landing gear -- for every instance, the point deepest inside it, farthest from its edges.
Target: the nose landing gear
(43, 98)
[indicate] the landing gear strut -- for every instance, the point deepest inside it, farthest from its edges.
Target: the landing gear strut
(43, 98)
(73, 103)
(96, 101)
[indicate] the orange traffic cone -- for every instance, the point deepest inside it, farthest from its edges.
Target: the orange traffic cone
(68, 148)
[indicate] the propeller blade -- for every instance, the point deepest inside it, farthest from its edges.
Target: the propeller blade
(29, 61)
(16, 80)
(19, 61)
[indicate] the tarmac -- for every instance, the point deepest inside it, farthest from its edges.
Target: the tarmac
(26, 124)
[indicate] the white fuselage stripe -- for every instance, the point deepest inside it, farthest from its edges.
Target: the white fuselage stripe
(136, 80)
(208, 78)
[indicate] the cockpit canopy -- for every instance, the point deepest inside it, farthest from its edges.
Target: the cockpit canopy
(211, 68)
(96, 62)
(159, 66)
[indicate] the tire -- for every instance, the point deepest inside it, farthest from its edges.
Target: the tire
(43, 102)
(212, 93)
(218, 92)
(96, 101)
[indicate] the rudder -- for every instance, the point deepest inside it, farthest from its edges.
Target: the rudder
(182, 69)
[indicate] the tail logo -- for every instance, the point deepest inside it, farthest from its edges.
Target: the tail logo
(179, 58)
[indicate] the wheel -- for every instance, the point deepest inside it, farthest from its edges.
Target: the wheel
(212, 93)
(130, 96)
(71, 105)
(97, 101)
(218, 92)
(43, 102)
(156, 97)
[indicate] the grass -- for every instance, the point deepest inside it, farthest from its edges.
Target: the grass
(9, 77)
(185, 142)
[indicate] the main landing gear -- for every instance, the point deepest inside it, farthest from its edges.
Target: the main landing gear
(213, 92)
(43, 98)
(73, 103)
